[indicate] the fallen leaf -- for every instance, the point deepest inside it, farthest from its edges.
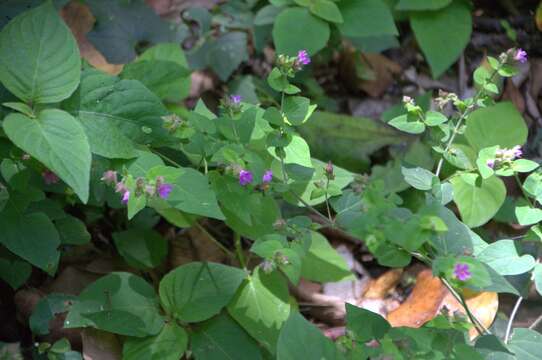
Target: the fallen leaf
(80, 21)
(100, 345)
(430, 295)
(383, 285)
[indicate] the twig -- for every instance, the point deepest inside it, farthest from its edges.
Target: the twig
(511, 320)
(536, 322)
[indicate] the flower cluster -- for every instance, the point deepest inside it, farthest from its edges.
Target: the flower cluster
(49, 177)
(246, 177)
(505, 155)
(157, 188)
(290, 64)
(513, 56)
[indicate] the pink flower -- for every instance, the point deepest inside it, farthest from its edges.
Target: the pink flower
(121, 188)
(164, 190)
(245, 177)
(267, 176)
(109, 177)
(520, 56)
(125, 197)
(49, 177)
(462, 272)
(303, 57)
(490, 163)
(516, 151)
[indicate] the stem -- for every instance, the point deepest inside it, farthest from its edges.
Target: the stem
(327, 201)
(518, 181)
(511, 320)
(239, 249)
(166, 158)
(213, 239)
(536, 322)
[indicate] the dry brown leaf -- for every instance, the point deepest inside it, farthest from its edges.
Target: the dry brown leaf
(100, 345)
(80, 21)
(429, 296)
(381, 287)
(71, 281)
(512, 93)
(327, 308)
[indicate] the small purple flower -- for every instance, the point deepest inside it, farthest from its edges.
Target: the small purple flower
(516, 151)
(121, 188)
(520, 56)
(462, 272)
(303, 57)
(125, 197)
(49, 177)
(109, 177)
(490, 163)
(164, 190)
(267, 176)
(236, 99)
(245, 177)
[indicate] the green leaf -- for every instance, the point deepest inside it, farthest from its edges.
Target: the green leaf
(299, 339)
(227, 53)
(524, 165)
(434, 118)
(528, 215)
(418, 5)
(169, 344)
(402, 123)
(327, 10)
(364, 18)
(458, 240)
(443, 34)
(39, 58)
(197, 291)
(119, 29)
(120, 303)
(72, 231)
(46, 309)
(503, 257)
(500, 124)
(537, 277)
(20, 107)
(266, 15)
(365, 324)
(20, 233)
(57, 140)
(296, 29)
(261, 306)
(533, 185)
(419, 178)
(141, 248)
(526, 344)
(478, 199)
(322, 262)
(14, 271)
(222, 338)
(483, 156)
(296, 109)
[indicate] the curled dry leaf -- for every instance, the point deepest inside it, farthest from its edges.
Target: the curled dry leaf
(383, 285)
(80, 21)
(430, 296)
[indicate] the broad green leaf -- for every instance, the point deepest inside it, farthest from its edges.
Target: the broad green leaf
(121, 26)
(227, 53)
(458, 240)
(297, 152)
(222, 338)
(500, 124)
(20, 235)
(20, 107)
(39, 57)
(533, 185)
(266, 15)
(197, 291)
(537, 277)
(434, 118)
(403, 123)
(46, 309)
(478, 199)
(503, 257)
(418, 5)
(120, 303)
(141, 248)
(72, 231)
(327, 10)
(365, 324)
(528, 215)
(296, 109)
(419, 178)
(299, 339)
(526, 344)
(322, 263)
(169, 344)
(58, 141)
(442, 34)
(485, 155)
(117, 113)
(363, 18)
(261, 306)
(524, 165)
(14, 271)
(297, 29)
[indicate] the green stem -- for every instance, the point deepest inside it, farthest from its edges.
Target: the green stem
(166, 158)
(327, 202)
(518, 181)
(239, 250)
(511, 320)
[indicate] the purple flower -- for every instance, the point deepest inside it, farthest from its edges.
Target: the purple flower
(125, 197)
(245, 177)
(235, 99)
(520, 56)
(303, 57)
(109, 177)
(267, 177)
(516, 151)
(49, 177)
(121, 188)
(490, 163)
(461, 272)
(164, 190)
